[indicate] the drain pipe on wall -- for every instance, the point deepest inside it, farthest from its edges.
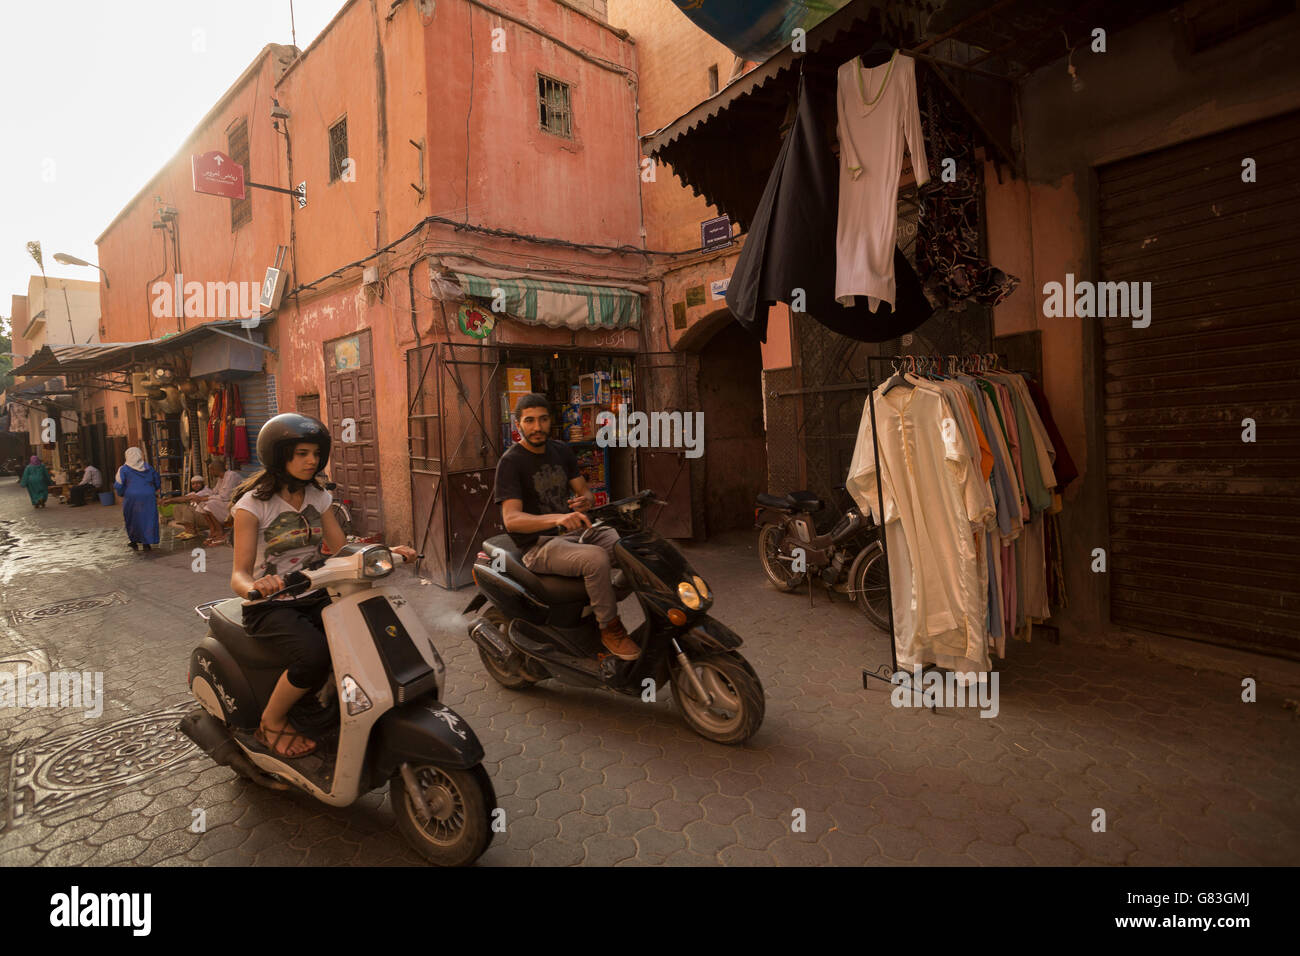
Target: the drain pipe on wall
(410, 290)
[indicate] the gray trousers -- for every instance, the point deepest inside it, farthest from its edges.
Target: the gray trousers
(562, 554)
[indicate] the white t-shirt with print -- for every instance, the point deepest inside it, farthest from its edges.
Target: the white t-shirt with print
(286, 538)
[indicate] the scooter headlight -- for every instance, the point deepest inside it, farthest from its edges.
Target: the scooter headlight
(687, 594)
(701, 587)
(376, 562)
(354, 697)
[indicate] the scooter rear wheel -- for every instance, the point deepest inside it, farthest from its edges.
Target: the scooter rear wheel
(505, 676)
(461, 801)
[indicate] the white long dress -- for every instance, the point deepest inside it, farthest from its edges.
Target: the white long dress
(871, 162)
(940, 608)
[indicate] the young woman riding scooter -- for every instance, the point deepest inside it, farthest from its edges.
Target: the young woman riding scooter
(282, 514)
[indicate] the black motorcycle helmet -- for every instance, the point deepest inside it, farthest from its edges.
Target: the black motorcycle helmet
(276, 440)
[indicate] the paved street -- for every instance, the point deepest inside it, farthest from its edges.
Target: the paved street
(1185, 772)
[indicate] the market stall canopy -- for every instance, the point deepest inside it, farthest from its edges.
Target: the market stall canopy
(756, 29)
(544, 301)
(724, 148)
(118, 356)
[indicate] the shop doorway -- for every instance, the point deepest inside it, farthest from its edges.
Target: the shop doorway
(354, 464)
(97, 450)
(731, 398)
(460, 399)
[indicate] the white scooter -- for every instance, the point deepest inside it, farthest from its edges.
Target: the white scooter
(377, 719)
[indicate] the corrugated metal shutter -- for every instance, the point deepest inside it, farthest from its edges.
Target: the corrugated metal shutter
(1205, 527)
(258, 395)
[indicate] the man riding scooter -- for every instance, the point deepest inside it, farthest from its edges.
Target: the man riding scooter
(552, 530)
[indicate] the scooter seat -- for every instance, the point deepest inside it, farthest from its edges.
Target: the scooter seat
(227, 623)
(552, 588)
(794, 501)
(503, 542)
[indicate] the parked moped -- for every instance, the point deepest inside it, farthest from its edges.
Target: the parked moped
(848, 558)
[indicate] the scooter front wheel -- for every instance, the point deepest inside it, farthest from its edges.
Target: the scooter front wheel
(736, 706)
(460, 804)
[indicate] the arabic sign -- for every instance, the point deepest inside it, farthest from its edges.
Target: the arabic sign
(217, 174)
(715, 233)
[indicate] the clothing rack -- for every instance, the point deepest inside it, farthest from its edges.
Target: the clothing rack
(974, 361)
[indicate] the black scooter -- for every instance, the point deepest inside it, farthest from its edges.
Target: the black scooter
(541, 625)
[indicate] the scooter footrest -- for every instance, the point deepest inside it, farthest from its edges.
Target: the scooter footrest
(526, 636)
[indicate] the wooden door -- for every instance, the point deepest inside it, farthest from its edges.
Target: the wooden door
(354, 457)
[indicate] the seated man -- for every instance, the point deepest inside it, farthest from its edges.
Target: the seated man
(216, 508)
(185, 515)
(91, 480)
(532, 479)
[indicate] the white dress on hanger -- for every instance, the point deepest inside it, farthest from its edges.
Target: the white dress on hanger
(871, 162)
(939, 607)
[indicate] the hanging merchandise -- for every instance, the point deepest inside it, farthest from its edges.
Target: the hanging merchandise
(216, 445)
(239, 426)
(785, 251)
(966, 473)
(877, 114)
(948, 229)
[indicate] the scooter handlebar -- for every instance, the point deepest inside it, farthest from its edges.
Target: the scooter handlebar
(294, 580)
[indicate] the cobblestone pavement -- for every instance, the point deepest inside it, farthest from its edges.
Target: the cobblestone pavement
(1185, 772)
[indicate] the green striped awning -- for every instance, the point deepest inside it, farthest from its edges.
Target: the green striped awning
(557, 304)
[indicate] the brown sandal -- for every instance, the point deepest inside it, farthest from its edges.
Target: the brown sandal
(273, 744)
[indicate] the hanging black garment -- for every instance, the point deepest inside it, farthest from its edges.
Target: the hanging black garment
(948, 229)
(791, 241)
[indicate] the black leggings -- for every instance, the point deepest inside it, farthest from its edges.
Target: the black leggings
(294, 628)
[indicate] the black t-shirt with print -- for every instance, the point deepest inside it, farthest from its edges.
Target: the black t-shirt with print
(540, 482)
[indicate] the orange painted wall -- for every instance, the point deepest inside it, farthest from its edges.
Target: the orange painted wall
(582, 189)
(674, 56)
(520, 179)
(131, 252)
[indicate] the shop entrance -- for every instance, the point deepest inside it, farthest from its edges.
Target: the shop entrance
(350, 394)
(731, 398)
(460, 399)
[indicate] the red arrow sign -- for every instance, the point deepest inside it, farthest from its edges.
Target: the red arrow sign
(217, 174)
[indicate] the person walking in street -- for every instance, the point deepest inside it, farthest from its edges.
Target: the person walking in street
(36, 479)
(137, 483)
(91, 479)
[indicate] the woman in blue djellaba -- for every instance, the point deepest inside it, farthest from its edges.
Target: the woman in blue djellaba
(36, 479)
(137, 483)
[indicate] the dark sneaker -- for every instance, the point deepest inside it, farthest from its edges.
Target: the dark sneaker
(614, 636)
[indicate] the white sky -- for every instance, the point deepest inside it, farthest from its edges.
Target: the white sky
(97, 95)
